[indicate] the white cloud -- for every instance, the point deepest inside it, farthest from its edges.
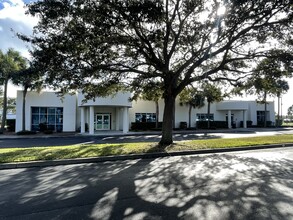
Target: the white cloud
(15, 10)
(13, 17)
(14, 20)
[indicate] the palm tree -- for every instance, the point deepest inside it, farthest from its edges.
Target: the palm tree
(193, 99)
(267, 80)
(10, 63)
(212, 94)
(29, 78)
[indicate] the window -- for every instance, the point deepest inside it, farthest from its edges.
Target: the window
(145, 117)
(204, 117)
(261, 115)
(52, 117)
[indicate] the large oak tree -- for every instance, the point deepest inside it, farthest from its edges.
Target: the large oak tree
(101, 45)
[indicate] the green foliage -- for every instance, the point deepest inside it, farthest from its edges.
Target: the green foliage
(11, 63)
(8, 155)
(212, 93)
(144, 126)
(11, 104)
(103, 46)
(25, 132)
(267, 79)
(212, 124)
(290, 112)
(28, 78)
(151, 91)
(192, 97)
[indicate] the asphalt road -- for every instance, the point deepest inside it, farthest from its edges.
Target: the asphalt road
(36, 141)
(239, 185)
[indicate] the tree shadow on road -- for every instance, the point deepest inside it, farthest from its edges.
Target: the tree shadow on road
(224, 186)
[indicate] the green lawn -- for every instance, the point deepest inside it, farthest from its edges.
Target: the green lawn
(287, 124)
(97, 150)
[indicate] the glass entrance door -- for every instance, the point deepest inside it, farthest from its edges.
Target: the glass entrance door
(102, 122)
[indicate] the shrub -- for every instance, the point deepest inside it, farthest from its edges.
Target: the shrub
(10, 125)
(42, 127)
(279, 122)
(48, 131)
(191, 128)
(213, 124)
(261, 123)
(25, 132)
(86, 128)
(145, 125)
(183, 125)
(248, 124)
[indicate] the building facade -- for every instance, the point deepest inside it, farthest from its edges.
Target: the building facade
(73, 113)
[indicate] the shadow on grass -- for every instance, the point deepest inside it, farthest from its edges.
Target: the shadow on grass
(35, 154)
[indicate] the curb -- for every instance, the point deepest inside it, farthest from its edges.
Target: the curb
(134, 156)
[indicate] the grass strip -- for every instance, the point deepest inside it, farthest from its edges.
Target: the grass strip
(96, 150)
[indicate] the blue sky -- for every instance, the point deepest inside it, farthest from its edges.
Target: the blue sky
(13, 20)
(12, 16)
(11, 2)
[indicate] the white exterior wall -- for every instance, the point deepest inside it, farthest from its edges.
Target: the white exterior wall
(220, 110)
(254, 107)
(113, 104)
(119, 99)
(72, 113)
(142, 106)
(46, 99)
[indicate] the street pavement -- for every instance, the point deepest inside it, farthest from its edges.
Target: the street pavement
(239, 185)
(42, 141)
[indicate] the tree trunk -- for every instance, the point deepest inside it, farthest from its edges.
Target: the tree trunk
(265, 99)
(189, 116)
(209, 111)
(167, 127)
(4, 111)
(174, 111)
(23, 107)
(157, 114)
(279, 123)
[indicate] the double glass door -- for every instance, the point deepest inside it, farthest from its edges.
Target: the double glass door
(102, 122)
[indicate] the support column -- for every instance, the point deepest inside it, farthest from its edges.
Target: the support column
(82, 120)
(117, 118)
(229, 120)
(125, 120)
(92, 120)
(244, 119)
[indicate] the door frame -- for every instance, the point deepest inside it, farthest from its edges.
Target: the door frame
(103, 114)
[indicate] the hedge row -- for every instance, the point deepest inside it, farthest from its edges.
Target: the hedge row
(248, 124)
(213, 124)
(144, 125)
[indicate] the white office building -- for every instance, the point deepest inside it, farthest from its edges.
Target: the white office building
(72, 113)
